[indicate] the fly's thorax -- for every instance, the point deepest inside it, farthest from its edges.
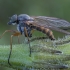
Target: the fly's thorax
(20, 28)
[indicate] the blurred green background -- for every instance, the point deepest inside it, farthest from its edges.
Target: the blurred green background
(52, 8)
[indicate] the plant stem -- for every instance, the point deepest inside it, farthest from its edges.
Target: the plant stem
(41, 57)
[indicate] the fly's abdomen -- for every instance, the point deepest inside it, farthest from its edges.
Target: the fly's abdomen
(47, 31)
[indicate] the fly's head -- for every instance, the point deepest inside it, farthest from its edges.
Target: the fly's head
(13, 20)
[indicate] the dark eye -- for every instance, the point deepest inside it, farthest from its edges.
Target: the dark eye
(14, 21)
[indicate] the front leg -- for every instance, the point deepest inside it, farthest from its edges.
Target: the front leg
(14, 34)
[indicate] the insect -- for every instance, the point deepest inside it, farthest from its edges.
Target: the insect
(25, 25)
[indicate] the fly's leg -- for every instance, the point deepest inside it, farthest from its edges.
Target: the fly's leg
(13, 31)
(14, 34)
(32, 31)
(5, 32)
(38, 38)
(26, 33)
(10, 50)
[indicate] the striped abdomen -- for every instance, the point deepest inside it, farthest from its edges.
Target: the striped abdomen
(47, 31)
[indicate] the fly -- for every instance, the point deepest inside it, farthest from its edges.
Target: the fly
(26, 24)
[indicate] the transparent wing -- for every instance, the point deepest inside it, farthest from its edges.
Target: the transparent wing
(51, 23)
(54, 21)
